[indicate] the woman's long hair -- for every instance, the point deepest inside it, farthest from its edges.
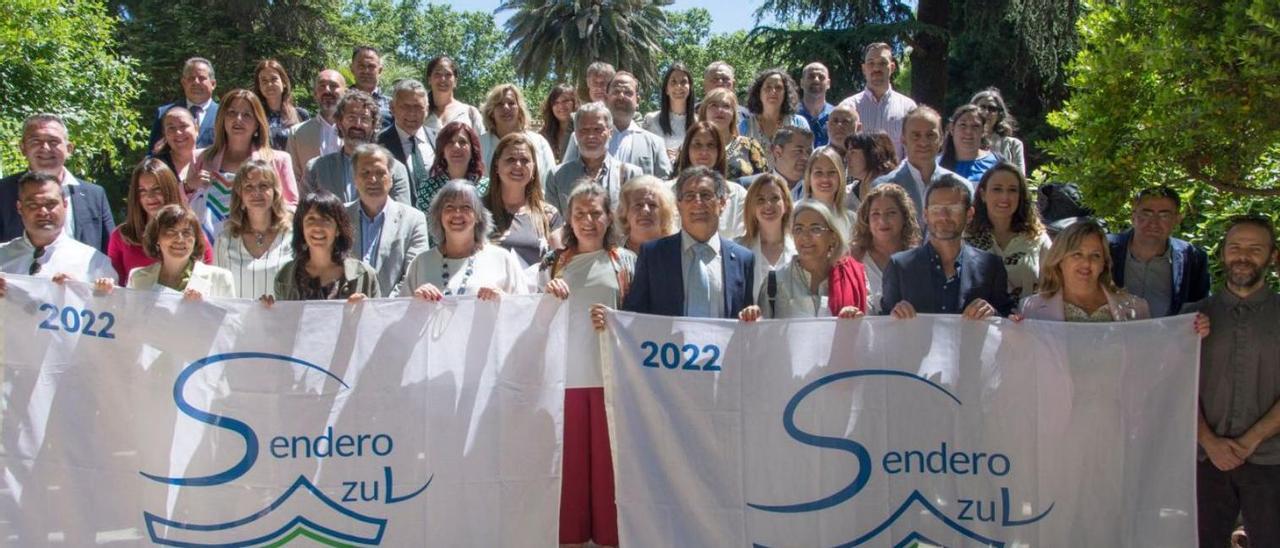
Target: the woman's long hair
(664, 109)
(551, 124)
(539, 210)
(475, 168)
(699, 128)
(288, 112)
(261, 140)
(134, 227)
(1026, 218)
(1070, 240)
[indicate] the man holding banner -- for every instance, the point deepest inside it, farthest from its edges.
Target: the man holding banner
(1239, 419)
(45, 249)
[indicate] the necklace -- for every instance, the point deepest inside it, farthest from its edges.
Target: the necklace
(466, 275)
(259, 237)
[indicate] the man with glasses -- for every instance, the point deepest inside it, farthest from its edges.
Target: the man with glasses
(1151, 263)
(879, 107)
(46, 146)
(696, 272)
(358, 123)
(946, 275)
(44, 249)
(593, 129)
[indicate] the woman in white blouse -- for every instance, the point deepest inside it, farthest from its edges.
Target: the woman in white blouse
(703, 147)
(255, 238)
(174, 239)
(768, 226)
(675, 113)
(466, 263)
(885, 224)
(505, 112)
(442, 106)
(1006, 223)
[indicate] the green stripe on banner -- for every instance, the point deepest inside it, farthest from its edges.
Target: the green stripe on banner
(301, 531)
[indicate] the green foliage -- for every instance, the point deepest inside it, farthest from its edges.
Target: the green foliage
(61, 57)
(559, 39)
(1176, 93)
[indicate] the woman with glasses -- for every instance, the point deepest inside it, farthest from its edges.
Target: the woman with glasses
(173, 238)
(1000, 127)
(464, 263)
(557, 118)
(151, 187)
(885, 224)
(646, 211)
(821, 280)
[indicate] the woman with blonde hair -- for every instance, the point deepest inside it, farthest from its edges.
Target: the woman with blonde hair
(824, 181)
(885, 224)
(768, 226)
(255, 241)
(1076, 283)
(241, 134)
(821, 280)
(743, 156)
(272, 86)
(505, 112)
(646, 211)
(523, 222)
(151, 187)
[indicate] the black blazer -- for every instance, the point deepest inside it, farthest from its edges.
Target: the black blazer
(911, 277)
(658, 286)
(390, 139)
(88, 204)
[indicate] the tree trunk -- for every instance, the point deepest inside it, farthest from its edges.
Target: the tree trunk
(929, 55)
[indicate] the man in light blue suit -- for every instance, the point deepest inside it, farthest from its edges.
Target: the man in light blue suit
(694, 273)
(387, 235)
(946, 275)
(922, 137)
(198, 83)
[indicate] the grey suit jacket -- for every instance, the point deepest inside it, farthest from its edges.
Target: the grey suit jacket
(326, 173)
(304, 145)
(404, 236)
(562, 179)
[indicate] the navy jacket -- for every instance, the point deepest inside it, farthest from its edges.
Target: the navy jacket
(1190, 268)
(204, 139)
(911, 277)
(658, 286)
(88, 204)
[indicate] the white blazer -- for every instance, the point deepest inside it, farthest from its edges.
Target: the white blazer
(210, 281)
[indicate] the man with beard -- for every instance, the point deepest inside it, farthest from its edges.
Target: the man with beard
(815, 81)
(358, 119)
(594, 163)
(1238, 472)
(946, 275)
(880, 107)
(318, 136)
(45, 249)
(1149, 262)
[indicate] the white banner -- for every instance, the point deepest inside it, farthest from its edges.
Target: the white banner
(140, 418)
(878, 432)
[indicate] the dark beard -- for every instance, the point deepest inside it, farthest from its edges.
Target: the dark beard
(1244, 280)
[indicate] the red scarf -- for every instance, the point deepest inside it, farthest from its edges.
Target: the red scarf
(847, 286)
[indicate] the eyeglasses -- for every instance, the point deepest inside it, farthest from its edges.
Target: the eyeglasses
(697, 197)
(35, 262)
(990, 108)
(1163, 216)
(812, 230)
(185, 234)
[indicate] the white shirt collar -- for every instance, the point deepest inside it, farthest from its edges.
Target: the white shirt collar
(68, 179)
(687, 241)
(915, 173)
(204, 107)
(62, 237)
(421, 135)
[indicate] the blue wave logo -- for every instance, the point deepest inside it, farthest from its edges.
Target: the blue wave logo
(293, 514)
(865, 467)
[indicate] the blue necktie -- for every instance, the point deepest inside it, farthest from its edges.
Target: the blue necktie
(697, 284)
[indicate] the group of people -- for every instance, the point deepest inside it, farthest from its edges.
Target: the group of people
(786, 207)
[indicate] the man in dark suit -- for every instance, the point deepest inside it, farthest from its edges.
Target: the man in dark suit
(694, 273)
(1149, 262)
(198, 83)
(46, 146)
(946, 275)
(410, 142)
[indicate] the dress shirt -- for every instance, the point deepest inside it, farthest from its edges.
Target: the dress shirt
(64, 255)
(950, 286)
(884, 114)
(330, 142)
(713, 269)
(371, 234)
(68, 183)
(424, 148)
(203, 110)
(1152, 280)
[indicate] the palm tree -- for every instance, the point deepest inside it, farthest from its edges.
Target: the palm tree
(562, 37)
